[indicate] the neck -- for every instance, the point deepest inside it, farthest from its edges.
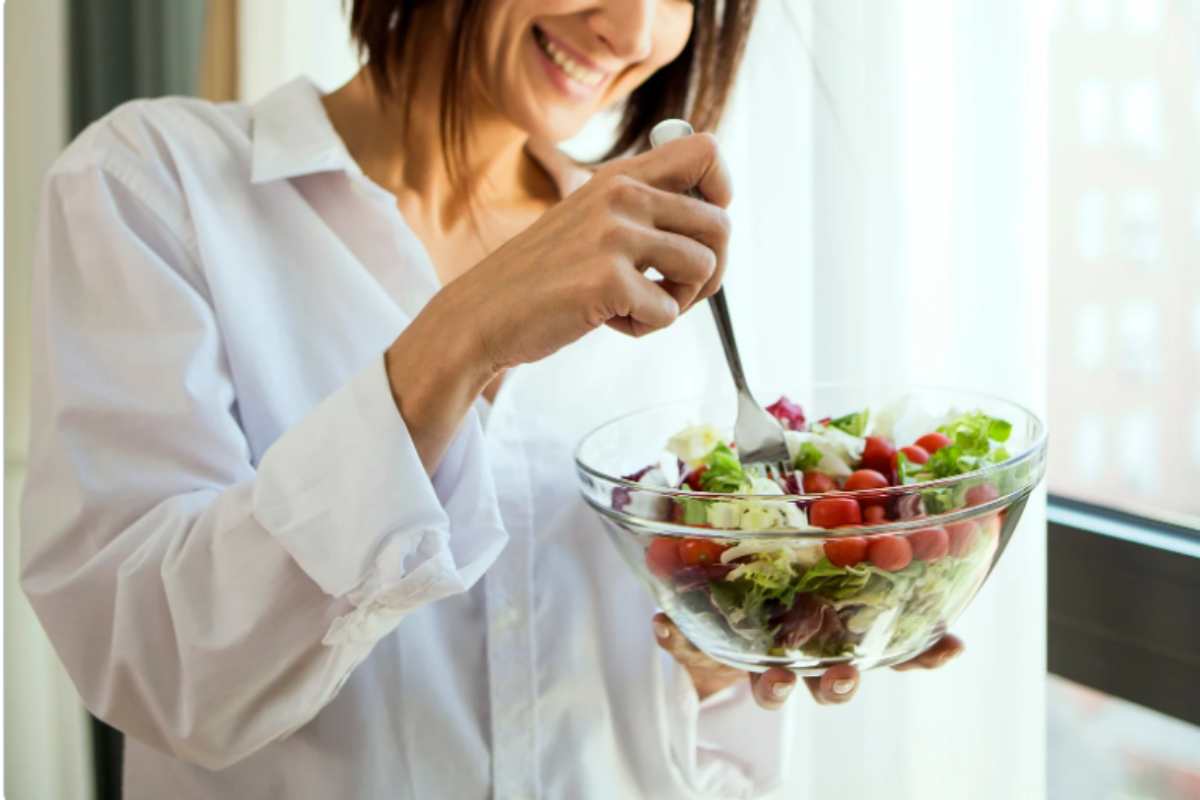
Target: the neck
(403, 151)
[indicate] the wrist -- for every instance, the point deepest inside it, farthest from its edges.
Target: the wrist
(436, 368)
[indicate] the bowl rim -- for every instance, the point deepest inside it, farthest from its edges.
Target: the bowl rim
(1035, 449)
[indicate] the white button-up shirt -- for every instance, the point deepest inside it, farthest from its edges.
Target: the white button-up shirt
(233, 545)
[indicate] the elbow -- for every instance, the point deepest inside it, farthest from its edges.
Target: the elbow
(209, 743)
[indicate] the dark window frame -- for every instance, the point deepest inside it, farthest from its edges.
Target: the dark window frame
(1123, 605)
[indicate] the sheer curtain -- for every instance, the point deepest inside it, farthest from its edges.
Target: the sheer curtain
(889, 163)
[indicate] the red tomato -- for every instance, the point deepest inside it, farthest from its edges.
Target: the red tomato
(991, 525)
(873, 515)
(932, 442)
(865, 479)
(846, 552)
(962, 537)
(662, 557)
(929, 544)
(983, 493)
(818, 482)
(833, 512)
(700, 551)
(878, 454)
(915, 454)
(890, 552)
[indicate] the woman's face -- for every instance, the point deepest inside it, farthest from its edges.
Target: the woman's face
(549, 65)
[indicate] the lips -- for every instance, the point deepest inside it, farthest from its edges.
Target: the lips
(570, 66)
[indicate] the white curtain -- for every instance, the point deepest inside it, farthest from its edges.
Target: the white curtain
(889, 163)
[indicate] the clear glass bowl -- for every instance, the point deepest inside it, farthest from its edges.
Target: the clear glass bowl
(956, 529)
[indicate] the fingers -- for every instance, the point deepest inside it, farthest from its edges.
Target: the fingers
(772, 688)
(670, 639)
(942, 651)
(837, 685)
(686, 264)
(698, 221)
(639, 305)
(684, 238)
(707, 676)
(692, 162)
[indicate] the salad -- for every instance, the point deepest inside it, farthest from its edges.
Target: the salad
(846, 596)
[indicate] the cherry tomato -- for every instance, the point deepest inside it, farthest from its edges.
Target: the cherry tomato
(991, 525)
(873, 515)
(833, 512)
(983, 493)
(890, 552)
(929, 544)
(818, 482)
(662, 557)
(846, 552)
(962, 537)
(915, 454)
(878, 454)
(932, 442)
(700, 551)
(865, 479)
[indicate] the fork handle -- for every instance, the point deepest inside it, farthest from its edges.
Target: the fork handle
(662, 133)
(720, 312)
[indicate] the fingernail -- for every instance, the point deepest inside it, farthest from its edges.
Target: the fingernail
(844, 686)
(781, 689)
(661, 630)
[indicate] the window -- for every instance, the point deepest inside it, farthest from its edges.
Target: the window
(1124, 356)
(1124, 400)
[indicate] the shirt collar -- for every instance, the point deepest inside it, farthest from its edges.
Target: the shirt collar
(292, 135)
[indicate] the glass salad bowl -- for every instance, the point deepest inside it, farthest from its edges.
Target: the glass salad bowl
(895, 515)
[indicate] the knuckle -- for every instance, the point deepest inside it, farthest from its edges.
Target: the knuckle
(624, 192)
(614, 235)
(706, 145)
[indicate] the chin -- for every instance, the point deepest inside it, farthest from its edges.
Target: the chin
(553, 124)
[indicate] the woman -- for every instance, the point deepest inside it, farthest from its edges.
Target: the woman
(294, 522)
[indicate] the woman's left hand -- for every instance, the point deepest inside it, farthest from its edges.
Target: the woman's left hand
(772, 688)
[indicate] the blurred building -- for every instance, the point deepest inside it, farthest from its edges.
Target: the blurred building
(1124, 384)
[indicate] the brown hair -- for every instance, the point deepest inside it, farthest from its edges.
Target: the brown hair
(695, 86)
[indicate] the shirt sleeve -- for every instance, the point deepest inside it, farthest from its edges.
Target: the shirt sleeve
(724, 746)
(202, 604)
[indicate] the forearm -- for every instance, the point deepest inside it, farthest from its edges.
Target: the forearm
(436, 369)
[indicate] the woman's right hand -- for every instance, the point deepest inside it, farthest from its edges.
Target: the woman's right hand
(580, 266)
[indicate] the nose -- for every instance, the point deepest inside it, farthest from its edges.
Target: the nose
(625, 26)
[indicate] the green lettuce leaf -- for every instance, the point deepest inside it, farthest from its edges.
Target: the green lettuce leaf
(854, 424)
(808, 457)
(973, 444)
(724, 473)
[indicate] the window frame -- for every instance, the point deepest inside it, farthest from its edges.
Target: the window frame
(1144, 648)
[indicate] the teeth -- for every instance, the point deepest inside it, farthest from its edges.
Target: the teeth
(574, 70)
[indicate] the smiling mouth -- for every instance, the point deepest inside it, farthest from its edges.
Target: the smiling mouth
(570, 67)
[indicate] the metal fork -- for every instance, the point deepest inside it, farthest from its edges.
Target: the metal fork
(759, 435)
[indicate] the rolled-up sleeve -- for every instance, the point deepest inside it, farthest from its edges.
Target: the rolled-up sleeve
(201, 603)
